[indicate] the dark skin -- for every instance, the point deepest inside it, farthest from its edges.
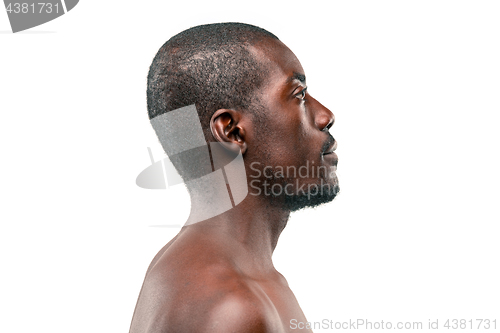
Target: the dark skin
(217, 275)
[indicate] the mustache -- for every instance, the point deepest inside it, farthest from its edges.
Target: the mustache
(328, 143)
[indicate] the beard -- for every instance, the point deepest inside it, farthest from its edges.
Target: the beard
(314, 195)
(323, 189)
(298, 193)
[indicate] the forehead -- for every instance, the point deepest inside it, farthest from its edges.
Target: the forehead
(282, 66)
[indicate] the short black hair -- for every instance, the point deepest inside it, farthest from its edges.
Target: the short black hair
(209, 66)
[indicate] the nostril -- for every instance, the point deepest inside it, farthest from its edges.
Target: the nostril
(328, 126)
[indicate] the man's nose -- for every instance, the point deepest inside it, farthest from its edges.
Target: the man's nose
(324, 118)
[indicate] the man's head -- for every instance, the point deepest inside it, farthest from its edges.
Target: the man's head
(250, 91)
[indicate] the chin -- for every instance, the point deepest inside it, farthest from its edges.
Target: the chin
(327, 192)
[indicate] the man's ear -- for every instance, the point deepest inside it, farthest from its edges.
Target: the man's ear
(227, 127)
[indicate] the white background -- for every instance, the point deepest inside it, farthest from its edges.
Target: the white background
(413, 235)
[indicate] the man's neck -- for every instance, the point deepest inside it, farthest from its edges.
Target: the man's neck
(250, 230)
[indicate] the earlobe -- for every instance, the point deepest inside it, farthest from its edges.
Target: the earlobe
(226, 128)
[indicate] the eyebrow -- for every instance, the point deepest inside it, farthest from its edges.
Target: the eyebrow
(298, 76)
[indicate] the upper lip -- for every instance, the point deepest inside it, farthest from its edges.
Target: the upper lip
(331, 148)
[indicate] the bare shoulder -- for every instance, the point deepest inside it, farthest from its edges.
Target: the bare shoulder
(219, 311)
(200, 291)
(239, 313)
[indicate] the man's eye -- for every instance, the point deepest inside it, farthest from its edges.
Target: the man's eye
(302, 94)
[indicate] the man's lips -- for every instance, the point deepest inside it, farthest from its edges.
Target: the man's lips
(331, 148)
(329, 154)
(331, 158)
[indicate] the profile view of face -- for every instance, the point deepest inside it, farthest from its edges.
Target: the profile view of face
(296, 150)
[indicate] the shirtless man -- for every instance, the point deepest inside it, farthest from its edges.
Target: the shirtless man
(249, 89)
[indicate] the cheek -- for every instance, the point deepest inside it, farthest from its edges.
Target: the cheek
(284, 139)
